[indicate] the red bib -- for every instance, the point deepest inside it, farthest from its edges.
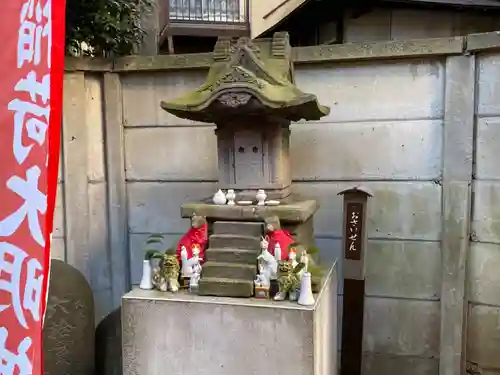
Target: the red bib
(195, 237)
(284, 238)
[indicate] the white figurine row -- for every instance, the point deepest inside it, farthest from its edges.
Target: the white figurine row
(191, 268)
(268, 270)
(268, 265)
(221, 199)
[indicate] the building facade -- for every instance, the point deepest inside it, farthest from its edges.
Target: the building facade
(192, 26)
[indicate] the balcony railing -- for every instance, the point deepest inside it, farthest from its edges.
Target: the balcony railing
(208, 10)
(205, 17)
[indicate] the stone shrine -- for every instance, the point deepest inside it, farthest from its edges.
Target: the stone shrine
(251, 97)
(239, 243)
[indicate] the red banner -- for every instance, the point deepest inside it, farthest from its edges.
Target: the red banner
(31, 66)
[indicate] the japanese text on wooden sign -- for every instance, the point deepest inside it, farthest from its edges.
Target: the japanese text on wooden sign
(353, 230)
(31, 63)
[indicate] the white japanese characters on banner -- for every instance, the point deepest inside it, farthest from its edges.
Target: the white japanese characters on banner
(28, 113)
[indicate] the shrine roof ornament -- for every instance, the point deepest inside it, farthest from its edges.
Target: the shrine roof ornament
(248, 77)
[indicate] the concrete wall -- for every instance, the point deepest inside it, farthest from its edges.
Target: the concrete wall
(81, 235)
(384, 23)
(484, 277)
(266, 14)
(408, 120)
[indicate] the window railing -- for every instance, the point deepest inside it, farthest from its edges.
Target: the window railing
(210, 11)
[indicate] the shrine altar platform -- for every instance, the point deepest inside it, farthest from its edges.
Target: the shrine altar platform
(187, 334)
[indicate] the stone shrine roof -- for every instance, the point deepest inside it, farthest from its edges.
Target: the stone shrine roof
(249, 78)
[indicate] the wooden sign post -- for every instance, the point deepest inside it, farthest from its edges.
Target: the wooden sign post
(354, 245)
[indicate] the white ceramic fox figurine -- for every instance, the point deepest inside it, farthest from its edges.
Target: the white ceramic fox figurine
(186, 270)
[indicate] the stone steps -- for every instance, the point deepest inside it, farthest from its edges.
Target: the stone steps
(238, 228)
(224, 287)
(231, 259)
(232, 255)
(229, 270)
(234, 241)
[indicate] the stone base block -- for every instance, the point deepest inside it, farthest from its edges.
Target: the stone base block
(241, 228)
(194, 335)
(220, 287)
(292, 212)
(232, 256)
(230, 270)
(234, 241)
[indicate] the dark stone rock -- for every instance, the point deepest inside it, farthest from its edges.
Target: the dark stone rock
(108, 341)
(68, 334)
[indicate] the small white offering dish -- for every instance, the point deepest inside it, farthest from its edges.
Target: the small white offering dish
(244, 203)
(272, 203)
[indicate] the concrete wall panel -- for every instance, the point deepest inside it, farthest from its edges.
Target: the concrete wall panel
(398, 210)
(58, 230)
(488, 84)
(486, 212)
(367, 91)
(394, 269)
(376, 364)
(155, 207)
(370, 27)
(484, 275)
(402, 327)
(383, 23)
(94, 107)
(488, 149)
(483, 336)
(98, 238)
(398, 269)
(367, 150)
(418, 23)
(142, 94)
(182, 153)
(58, 249)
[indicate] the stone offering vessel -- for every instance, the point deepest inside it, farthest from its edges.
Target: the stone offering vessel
(261, 197)
(250, 95)
(219, 198)
(231, 196)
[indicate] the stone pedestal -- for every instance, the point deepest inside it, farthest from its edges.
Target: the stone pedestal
(195, 335)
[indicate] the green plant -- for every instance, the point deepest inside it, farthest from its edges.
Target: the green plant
(105, 28)
(312, 250)
(314, 269)
(299, 267)
(156, 240)
(152, 240)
